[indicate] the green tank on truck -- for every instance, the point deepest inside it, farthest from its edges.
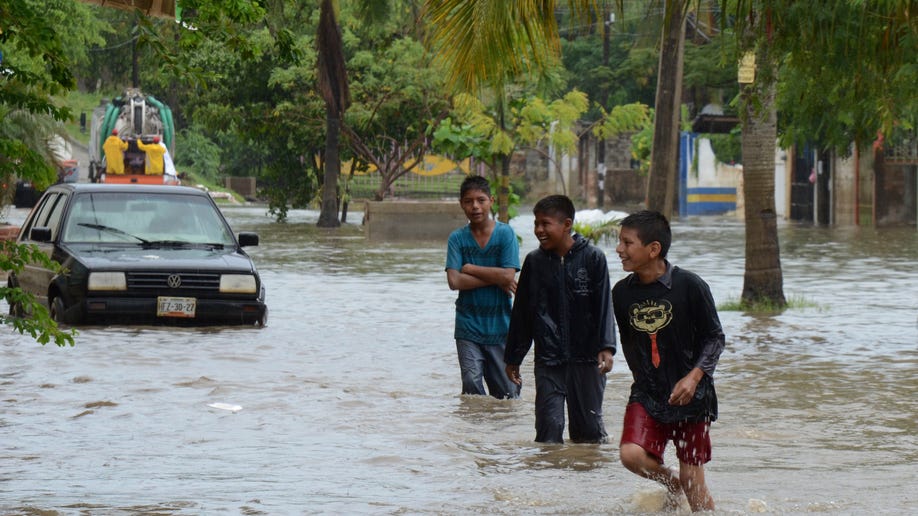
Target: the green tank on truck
(136, 116)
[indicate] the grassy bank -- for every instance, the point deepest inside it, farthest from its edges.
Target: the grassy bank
(81, 103)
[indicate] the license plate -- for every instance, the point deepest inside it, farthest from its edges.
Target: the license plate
(175, 306)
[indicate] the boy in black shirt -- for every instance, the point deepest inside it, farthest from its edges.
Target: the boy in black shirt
(672, 340)
(563, 304)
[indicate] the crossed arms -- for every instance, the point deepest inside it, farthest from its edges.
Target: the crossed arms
(477, 276)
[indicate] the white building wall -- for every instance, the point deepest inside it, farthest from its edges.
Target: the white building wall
(712, 173)
(782, 183)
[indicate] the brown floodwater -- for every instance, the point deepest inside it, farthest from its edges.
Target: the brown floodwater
(348, 401)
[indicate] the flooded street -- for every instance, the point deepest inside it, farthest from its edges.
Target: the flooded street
(347, 402)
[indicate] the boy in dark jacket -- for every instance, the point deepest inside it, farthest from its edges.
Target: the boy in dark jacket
(672, 340)
(563, 304)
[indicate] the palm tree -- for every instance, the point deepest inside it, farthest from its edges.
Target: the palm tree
(486, 44)
(763, 281)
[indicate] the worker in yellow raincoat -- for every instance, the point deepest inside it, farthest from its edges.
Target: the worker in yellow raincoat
(114, 148)
(154, 151)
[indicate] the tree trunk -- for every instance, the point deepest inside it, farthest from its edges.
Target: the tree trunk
(503, 184)
(503, 190)
(334, 89)
(763, 281)
(664, 155)
(328, 217)
(601, 172)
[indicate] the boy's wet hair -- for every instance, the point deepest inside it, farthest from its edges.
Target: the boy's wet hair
(559, 206)
(651, 226)
(473, 182)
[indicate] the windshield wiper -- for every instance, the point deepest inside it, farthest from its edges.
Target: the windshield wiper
(181, 243)
(109, 229)
(166, 243)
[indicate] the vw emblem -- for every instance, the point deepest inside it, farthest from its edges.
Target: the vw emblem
(174, 281)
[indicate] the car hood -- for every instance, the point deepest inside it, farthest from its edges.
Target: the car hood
(96, 257)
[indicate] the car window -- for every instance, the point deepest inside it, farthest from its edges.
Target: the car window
(54, 217)
(47, 212)
(111, 217)
(41, 215)
(41, 208)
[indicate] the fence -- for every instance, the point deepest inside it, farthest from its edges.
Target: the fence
(409, 186)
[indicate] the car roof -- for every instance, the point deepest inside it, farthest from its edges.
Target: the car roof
(127, 188)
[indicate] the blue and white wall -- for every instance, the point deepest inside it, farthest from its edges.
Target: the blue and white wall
(711, 187)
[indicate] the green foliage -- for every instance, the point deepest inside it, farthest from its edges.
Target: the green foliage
(398, 97)
(629, 76)
(38, 324)
(485, 44)
(535, 122)
(513, 198)
(710, 72)
(479, 128)
(195, 151)
(24, 150)
(262, 114)
(285, 190)
(767, 306)
(475, 131)
(34, 69)
(600, 232)
(460, 140)
(633, 118)
(728, 148)
(642, 143)
(847, 68)
(622, 119)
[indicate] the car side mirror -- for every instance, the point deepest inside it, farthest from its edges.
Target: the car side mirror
(40, 234)
(248, 239)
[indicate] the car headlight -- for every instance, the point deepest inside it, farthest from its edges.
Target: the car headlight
(237, 283)
(107, 281)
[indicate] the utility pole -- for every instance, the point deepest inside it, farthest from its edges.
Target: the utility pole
(608, 18)
(664, 156)
(135, 66)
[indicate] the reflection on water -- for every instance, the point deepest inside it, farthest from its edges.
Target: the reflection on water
(350, 398)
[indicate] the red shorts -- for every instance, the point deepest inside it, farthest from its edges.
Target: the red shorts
(692, 440)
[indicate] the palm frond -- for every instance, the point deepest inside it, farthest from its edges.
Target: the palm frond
(486, 43)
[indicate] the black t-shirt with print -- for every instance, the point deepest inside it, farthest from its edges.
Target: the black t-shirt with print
(668, 328)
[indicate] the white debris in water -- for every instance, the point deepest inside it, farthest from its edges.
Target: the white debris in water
(598, 216)
(226, 406)
(652, 500)
(756, 505)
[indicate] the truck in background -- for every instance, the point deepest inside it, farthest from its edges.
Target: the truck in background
(136, 117)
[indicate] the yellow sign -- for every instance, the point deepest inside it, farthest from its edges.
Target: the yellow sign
(432, 165)
(746, 70)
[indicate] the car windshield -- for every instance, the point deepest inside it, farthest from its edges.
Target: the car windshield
(146, 219)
